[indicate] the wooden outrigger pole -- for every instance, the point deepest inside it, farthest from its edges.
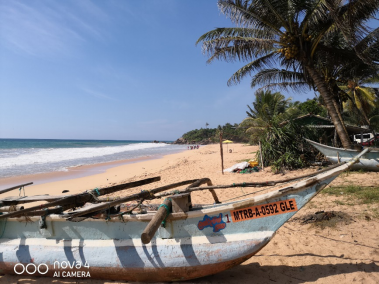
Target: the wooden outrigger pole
(77, 200)
(15, 187)
(145, 194)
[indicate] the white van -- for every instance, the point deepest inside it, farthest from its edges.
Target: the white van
(366, 137)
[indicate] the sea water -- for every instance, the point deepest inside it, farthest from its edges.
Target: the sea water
(32, 156)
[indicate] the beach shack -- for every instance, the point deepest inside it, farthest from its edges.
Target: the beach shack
(329, 135)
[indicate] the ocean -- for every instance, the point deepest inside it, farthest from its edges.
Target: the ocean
(31, 156)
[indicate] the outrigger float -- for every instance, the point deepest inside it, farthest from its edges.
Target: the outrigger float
(48, 240)
(368, 162)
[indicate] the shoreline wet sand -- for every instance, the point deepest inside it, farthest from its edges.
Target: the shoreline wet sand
(298, 253)
(70, 173)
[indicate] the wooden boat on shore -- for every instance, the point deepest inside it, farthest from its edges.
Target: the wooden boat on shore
(369, 161)
(46, 240)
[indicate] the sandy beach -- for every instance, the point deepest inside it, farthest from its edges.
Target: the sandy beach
(299, 253)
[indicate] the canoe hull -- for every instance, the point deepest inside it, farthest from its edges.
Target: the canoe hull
(119, 261)
(193, 244)
(369, 161)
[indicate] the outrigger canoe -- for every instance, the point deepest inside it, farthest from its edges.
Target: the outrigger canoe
(191, 242)
(369, 161)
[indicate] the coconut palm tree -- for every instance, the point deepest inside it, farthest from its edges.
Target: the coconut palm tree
(267, 105)
(268, 109)
(362, 98)
(291, 34)
(337, 71)
(350, 95)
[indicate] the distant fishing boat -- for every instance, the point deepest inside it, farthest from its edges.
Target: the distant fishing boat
(46, 240)
(369, 161)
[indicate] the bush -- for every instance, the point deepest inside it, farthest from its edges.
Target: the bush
(284, 147)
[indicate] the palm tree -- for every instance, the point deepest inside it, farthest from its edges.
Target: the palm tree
(337, 72)
(268, 109)
(267, 105)
(350, 95)
(291, 34)
(362, 100)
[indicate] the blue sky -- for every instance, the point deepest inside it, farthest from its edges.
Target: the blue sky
(113, 70)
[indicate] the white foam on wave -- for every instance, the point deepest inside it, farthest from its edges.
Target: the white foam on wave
(44, 156)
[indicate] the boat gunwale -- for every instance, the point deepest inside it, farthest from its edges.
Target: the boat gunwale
(372, 149)
(216, 209)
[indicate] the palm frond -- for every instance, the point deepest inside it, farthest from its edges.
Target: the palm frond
(262, 62)
(233, 48)
(352, 18)
(287, 86)
(368, 42)
(371, 80)
(235, 32)
(315, 13)
(247, 14)
(274, 75)
(252, 113)
(275, 12)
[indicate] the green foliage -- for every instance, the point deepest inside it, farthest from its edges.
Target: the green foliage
(284, 147)
(313, 107)
(268, 105)
(230, 132)
(268, 109)
(200, 134)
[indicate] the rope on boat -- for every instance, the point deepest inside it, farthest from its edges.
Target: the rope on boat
(94, 193)
(120, 215)
(108, 214)
(21, 188)
(42, 222)
(97, 191)
(168, 211)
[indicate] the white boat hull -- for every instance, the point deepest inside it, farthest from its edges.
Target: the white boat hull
(369, 161)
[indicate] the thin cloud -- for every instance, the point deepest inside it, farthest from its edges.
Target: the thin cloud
(93, 10)
(39, 29)
(96, 94)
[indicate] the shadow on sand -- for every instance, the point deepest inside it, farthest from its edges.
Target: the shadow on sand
(256, 273)
(249, 273)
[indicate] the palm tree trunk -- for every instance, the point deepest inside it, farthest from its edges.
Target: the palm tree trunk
(338, 110)
(328, 100)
